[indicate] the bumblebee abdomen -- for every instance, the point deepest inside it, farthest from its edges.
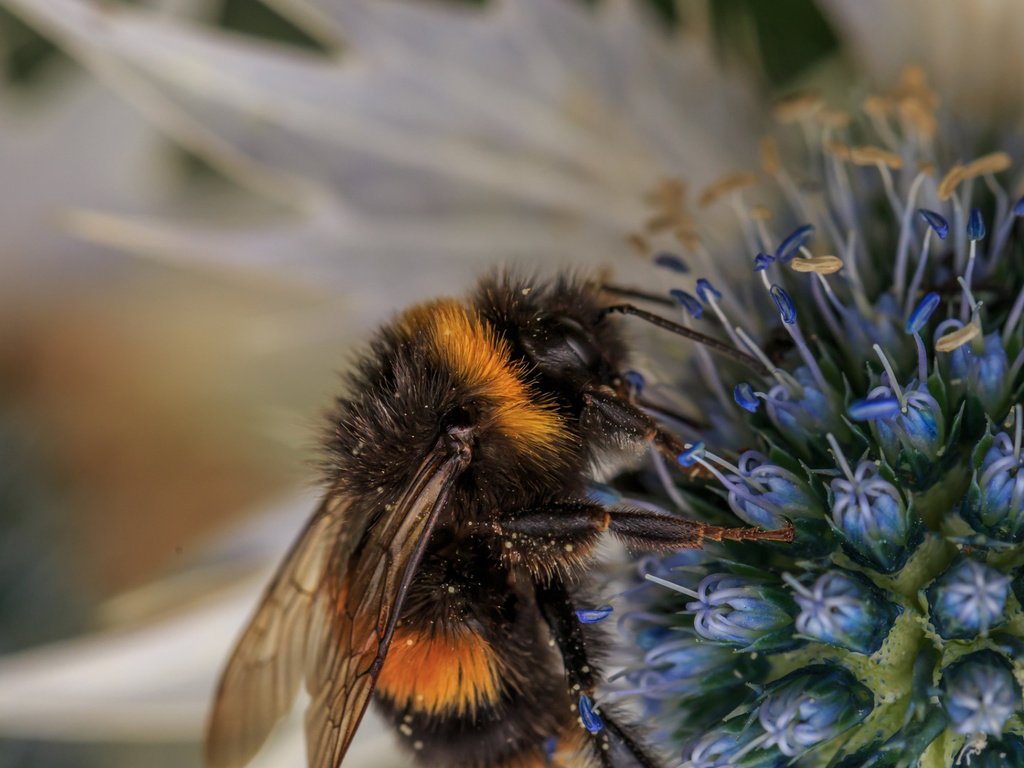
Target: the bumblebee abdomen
(451, 672)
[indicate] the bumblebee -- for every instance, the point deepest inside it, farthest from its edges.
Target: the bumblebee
(441, 574)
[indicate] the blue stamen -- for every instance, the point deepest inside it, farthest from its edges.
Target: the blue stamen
(690, 455)
(603, 494)
(936, 221)
(593, 615)
(762, 261)
(868, 410)
(671, 261)
(634, 380)
(688, 302)
(707, 291)
(922, 312)
(550, 746)
(787, 310)
(796, 240)
(975, 226)
(591, 720)
(745, 397)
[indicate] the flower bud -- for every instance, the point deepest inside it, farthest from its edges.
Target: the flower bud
(967, 599)
(803, 416)
(980, 693)
(982, 372)
(916, 429)
(844, 609)
(811, 705)
(775, 495)
(995, 502)
(744, 612)
(877, 528)
(729, 746)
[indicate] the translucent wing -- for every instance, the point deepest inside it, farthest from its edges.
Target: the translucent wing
(329, 614)
(346, 658)
(262, 677)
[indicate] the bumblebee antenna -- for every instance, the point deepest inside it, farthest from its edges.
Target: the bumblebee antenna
(681, 330)
(635, 293)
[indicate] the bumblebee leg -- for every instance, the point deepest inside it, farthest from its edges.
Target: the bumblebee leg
(609, 414)
(582, 676)
(557, 538)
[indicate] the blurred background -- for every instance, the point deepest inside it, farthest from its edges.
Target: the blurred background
(206, 204)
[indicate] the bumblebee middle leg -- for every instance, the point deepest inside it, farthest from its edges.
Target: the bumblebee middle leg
(559, 537)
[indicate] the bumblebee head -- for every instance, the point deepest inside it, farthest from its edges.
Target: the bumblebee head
(557, 328)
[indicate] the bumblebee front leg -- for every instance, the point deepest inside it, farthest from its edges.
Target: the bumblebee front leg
(557, 538)
(612, 416)
(558, 611)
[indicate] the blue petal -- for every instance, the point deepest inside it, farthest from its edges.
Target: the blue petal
(1018, 207)
(922, 312)
(879, 408)
(593, 615)
(975, 225)
(784, 304)
(591, 720)
(688, 302)
(798, 238)
(936, 221)
(744, 396)
(706, 289)
(671, 261)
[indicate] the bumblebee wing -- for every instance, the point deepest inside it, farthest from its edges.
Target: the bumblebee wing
(347, 648)
(262, 676)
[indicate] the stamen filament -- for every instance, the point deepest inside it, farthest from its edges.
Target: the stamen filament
(840, 458)
(1018, 429)
(906, 229)
(672, 585)
(915, 283)
(965, 282)
(781, 376)
(894, 384)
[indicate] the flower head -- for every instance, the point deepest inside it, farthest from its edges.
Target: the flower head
(885, 312)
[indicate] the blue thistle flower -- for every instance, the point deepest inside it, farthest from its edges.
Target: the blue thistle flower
(968, 599)
(980, 693)
(844, 609)
(876, 425)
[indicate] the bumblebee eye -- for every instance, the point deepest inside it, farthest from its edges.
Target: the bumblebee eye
(562, 346)
(580, 342)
